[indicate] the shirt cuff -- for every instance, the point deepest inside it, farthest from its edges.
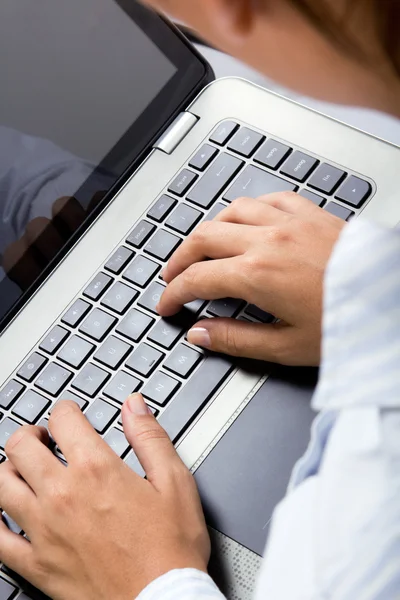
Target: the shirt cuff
(182, 584)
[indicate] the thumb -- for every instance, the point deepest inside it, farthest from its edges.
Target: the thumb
(148, 439)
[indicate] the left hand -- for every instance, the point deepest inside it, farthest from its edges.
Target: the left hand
(96, 529)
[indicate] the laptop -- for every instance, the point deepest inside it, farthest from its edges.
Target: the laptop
(115, 143)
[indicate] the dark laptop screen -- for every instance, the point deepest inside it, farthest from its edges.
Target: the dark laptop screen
(78, 79)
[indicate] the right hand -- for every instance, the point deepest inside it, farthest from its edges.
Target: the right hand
(272, 252)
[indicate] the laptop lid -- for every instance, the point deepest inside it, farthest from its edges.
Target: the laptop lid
(87, 87)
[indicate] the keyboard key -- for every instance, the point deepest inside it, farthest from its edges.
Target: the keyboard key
(168, 331)
(122, 386)
(160, 388)
(32, 366)
(76, 313)
(299, 166)
(184, 219)
(119, 298)
(183, 182)
(339, 211)
(196, 306)
(98, 324)
(54, 340)
(253, 311)
(101, 414)
(224, 132)
(117, 441)
(195, 394)
(7, 428)
(144, 360)
(354, 191)
(98, 286)
(10, 393)
(203, 157)
(162, 208)
(215, 180)
(141, 271)
(133, 463)
(135, 325)
(254, 182)
(74, 398)
(90, 380)
(318, 200)
(31, 406)
(141, 233)
(272, 154)
(113, 352)
(7, 591)
(183, 360)
(119, 260)
(151, 297)
(2, 458)
(53, 379)
(162, 245)
(11, 524)
(227, 307)
(76, 351)
(326, 178)
(245, 142)
(216, 209)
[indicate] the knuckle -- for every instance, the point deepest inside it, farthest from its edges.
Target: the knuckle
(62, 409)
(202, 232)
(253, 262)
(190, 275)
(238, 204)
(278, 235)
(146, 433)
(19, 436)
(60, 494)
(232, 342)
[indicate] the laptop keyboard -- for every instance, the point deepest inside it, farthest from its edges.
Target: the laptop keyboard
(110, 342)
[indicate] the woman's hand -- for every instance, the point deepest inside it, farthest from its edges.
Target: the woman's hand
(96, 529)
(271, 252)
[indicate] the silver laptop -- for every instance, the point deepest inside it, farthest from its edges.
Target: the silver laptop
(115, 142)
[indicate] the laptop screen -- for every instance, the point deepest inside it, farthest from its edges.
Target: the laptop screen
(84, 84)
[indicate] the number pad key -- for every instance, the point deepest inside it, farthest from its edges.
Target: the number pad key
(113, 352)
(90, 380)
(10, 393)
(117, 441)
(144, 360)
(119, 298)
(117, 263)
(135, 325)
(53, 379)
(76, 313)
(98, 286)
(141, 234)
(160, 388)
(7, 428)
(162, 245)
(184, 219)
(98, 324)
(76, 351)
(152, 297)
(100, 414)
(162, 208)
(31, 368)
(31, 406)
(183, 360)
(122, 386)
(141, 271)
(54, 340)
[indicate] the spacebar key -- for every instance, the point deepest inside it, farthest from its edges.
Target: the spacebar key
(195, 395)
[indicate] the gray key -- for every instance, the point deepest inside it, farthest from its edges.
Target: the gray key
(122, 386)
(119, 298)
(98, 324)
(183, 360)
(144, 360)
(7, 591)
(98, 286)
(135, 325)
(183, 182)
(203, 157)
(117, 441)
(11, 524)
(160, 388)
(90, 380)
(76, 351)
(196, 306)
(258, 314)
(216, 209)
(224, 132)
(326, 178)
(133, 463)
(272, 154)
(113, 352)
(162, 245)
(7, 428)
(215, 180)
(32, 366)
(339, 211)
(74, 398)
(54, 340)
(101, 414)
(2, 458)
(31, 406)
(318, 200)
(167, 332)
(354, 191)
(245, 141)
(76, 313)
(254, 182)
(184, 219)
(227, 307)
(299, 166)
(53, 379)
(10, 393)
(119, 260)
(141, 271)
(141, 233)
(152, 297)
(162, 208)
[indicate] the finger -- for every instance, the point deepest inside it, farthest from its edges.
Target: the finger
(68, 214)
(43, 236)
(252, 211)
(209, 280)
(210, 240)
(291, 203)
(149, 441)
(15, 552)
(16, 497)
(28, 451)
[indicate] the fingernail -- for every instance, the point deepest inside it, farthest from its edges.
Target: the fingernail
(137, 405)
(199, 336)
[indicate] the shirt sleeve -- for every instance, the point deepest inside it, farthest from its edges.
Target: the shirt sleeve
(182, 584)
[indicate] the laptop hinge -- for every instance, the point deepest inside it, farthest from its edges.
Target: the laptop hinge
(176, 132)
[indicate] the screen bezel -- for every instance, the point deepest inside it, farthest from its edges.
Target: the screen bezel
(192, 75)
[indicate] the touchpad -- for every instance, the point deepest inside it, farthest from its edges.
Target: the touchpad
(248, 471)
